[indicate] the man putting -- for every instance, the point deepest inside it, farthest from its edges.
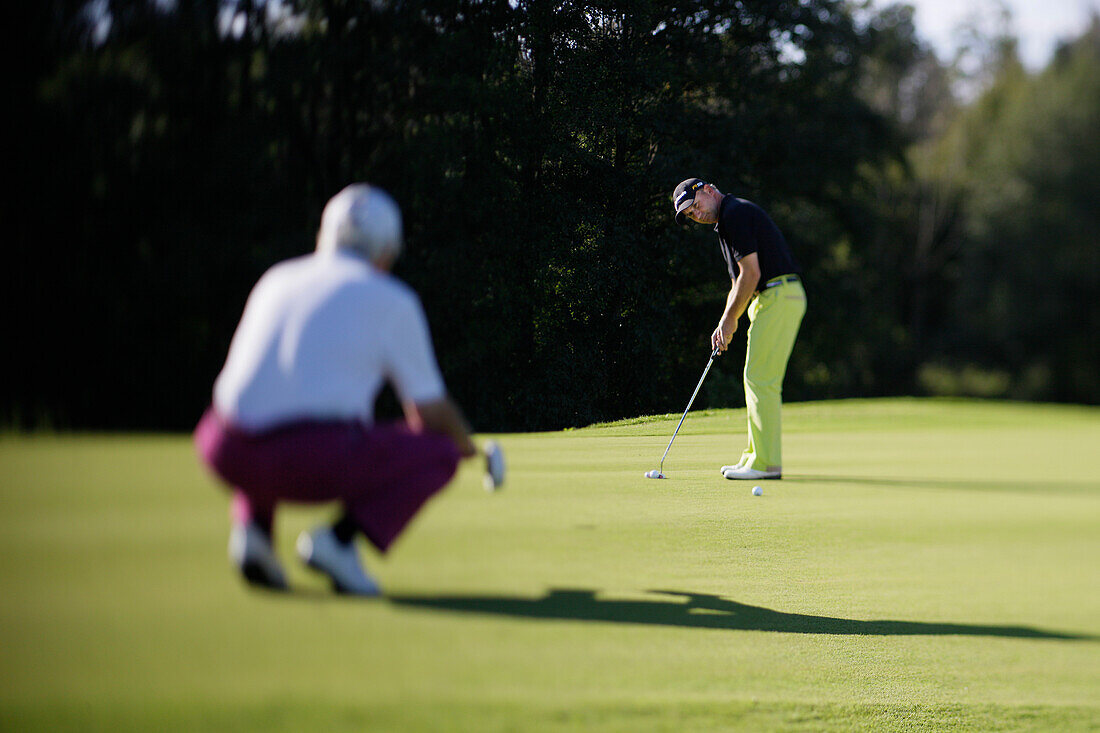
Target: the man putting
(766, 280)
(292, 413)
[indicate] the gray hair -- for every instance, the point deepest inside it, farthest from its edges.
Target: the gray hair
(363, 219)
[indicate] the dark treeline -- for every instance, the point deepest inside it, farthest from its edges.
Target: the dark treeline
(170, 152)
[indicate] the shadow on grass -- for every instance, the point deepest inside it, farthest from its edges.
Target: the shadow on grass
(702, 611)
(1044, 486)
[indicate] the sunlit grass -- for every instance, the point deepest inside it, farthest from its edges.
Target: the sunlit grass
(923, 565)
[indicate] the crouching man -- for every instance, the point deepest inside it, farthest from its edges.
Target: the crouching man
(292, 413)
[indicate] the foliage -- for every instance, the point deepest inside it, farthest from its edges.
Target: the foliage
(194, 144)
(173, 151)
(1019, 168)
(982, 240)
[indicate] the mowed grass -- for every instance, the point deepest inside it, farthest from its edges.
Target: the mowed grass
(923, 565)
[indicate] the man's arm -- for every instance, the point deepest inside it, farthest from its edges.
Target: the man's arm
(441, 416)
(738, 299)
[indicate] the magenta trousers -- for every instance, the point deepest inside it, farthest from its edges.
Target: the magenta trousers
(383, 474)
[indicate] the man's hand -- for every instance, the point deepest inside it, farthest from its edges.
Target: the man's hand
(722, 335)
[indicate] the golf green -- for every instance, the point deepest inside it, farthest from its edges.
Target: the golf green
(923, 564)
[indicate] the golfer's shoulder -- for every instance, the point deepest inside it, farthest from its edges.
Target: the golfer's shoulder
(742, 208)
(386, 290)
(356, 275)
(287, 268)
(735, 212)
(746, 213)
(282, 275)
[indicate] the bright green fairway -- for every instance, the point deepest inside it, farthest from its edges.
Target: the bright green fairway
(923, 565)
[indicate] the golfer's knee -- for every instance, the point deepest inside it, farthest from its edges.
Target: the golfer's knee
(761, 384)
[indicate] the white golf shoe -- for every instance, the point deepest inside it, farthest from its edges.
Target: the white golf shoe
(739, 464)
(323, 552)
(746, 473)
(250, 551)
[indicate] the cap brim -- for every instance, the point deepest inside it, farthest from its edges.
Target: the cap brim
(681, 217)
(683, 202)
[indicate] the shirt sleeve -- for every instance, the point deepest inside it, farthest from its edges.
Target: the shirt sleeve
(411, 365)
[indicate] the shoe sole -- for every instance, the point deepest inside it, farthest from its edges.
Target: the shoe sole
(337, 586)
(758, 478)
(257, 576)
(340, 588)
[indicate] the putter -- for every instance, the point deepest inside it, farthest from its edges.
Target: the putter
(659, 473)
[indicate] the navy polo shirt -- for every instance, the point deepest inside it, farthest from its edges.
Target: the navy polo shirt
(744, 228)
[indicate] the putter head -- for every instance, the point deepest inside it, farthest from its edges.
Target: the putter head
(654, 474)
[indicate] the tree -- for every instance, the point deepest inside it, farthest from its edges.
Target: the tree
(532, 147)
(1031, 264)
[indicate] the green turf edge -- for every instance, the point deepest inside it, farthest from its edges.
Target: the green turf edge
(299, 715)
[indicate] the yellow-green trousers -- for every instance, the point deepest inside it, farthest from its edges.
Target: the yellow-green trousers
(775, 315)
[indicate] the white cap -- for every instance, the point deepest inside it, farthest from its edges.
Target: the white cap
(363, 219)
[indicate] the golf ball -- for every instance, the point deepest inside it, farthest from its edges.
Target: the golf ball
(757, 491)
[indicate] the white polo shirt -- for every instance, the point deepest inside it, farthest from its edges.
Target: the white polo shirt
(319, 336)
